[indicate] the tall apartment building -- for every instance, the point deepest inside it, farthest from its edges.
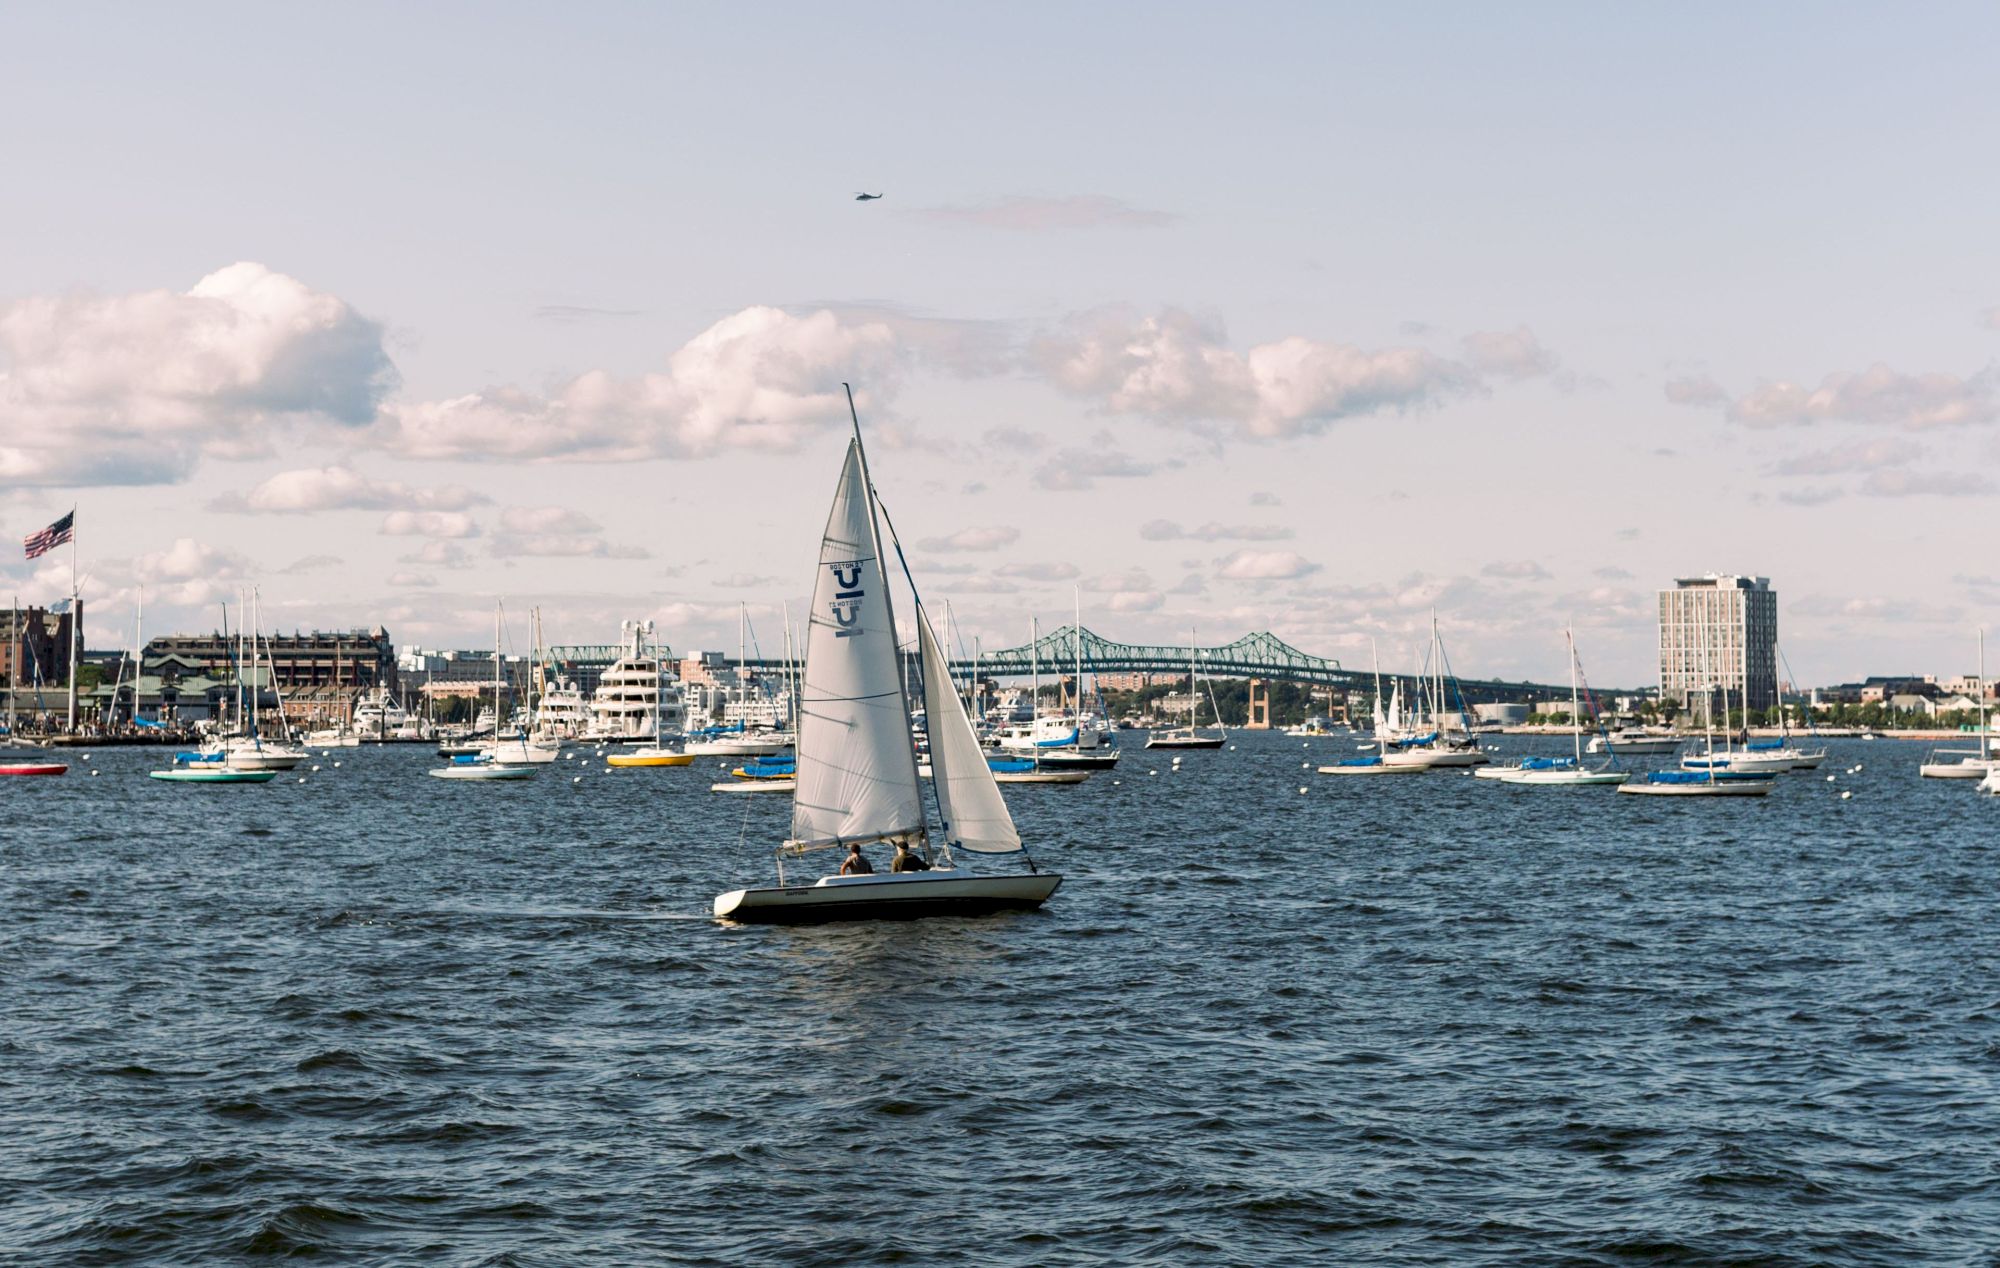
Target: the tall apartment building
(1719, 633)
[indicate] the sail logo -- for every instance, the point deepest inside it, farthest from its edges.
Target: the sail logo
(847, 596)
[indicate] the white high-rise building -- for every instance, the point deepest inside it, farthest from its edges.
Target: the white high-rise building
(1719, 633)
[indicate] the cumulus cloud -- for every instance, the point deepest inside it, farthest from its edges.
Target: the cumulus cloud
(1137, 601)
(1697, 390)
(339, 488)
(1038, 215)
(1263, 498)
(1818, 495)
(1074, 470)
(429, 524)
(1513, 354)
(413, 580)
(1895, 483)
(1179, 367)
(136, 388)
(1169, 531)
(1264, 565)
(546, 519)
(439, 554)
(1516, 570)
(761, 378)
(1865, 455)
(992, 538)
(1060, 571)
(310, 563)
(1877, 395)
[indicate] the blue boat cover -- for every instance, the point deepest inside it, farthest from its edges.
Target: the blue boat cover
(1363, 761)
(1067, 739)
(466, 759)
(1678, 777)
(1010, 766)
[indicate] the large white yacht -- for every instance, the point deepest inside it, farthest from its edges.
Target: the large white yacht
(562, 713)
(629, 691)
(378, 717)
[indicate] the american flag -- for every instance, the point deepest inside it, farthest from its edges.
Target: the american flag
(54, 535)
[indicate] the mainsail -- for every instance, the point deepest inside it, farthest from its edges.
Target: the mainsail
(969, 800)
(857, 772)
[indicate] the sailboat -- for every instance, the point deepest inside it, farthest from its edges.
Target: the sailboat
(1189, 736)
(1435, 747)
(1373, 764)
(1714, 780)
(1972, 763)
(486, 764)
(857, 770)
(1560, 772)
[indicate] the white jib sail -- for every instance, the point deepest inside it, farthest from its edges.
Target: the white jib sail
(975, 816)
(857, 773)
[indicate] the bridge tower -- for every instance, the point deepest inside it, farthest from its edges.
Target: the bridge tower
(1260, 706)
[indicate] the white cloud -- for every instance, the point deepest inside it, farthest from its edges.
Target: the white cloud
(992, 538)
(1697, 390)
(1073, 470)
(761, 378)
(339, 488)
(1875, 395)
(1990, 318)
(1948, 484)
(1176, 366)
(1864, 455)
(1169, 531)
(1517, 570)
(136, 388)
(439, 554)
(546, 519)
(1264, 565)
(1035, 215)
(1038, 572)
(429, 524)
(415, 580)
(1513, 354)
(1263, 498)
(1137, 601)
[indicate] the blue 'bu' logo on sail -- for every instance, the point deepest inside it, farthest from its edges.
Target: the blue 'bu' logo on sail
(847, 596)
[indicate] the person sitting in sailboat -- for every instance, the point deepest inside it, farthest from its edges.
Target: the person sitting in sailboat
(856, 863)
(905, 861)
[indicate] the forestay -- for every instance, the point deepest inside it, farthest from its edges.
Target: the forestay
(857, 773)
(975, 816)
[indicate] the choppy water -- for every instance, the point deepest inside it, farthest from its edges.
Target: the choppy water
(391, 1019)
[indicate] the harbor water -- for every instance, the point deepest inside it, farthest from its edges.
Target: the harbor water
(1270, 1017)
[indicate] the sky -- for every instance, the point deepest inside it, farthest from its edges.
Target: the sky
(1313, 319)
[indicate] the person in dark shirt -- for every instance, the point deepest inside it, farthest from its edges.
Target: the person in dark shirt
(906, 861)
(857, 862)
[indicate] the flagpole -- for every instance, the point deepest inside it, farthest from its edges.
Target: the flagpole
(75, 615)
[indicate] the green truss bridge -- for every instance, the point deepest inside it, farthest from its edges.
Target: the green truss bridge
(1260, 655)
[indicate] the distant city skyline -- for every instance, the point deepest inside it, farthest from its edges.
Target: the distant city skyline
(1297, 318)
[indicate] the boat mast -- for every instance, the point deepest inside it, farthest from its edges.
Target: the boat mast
(1034, 674)
(13, 661)
(1985, 748)
(1076, 593)
(1575, 714)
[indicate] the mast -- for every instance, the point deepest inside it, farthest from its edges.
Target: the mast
(1575, 716)
(1034, 675)
(1076, 593)
(13, 662)
(496, 675)
(75, 615)
(1985, 747)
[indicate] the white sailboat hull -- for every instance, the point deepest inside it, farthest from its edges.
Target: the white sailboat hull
(1648, 746)
(1720, 788)
(1184, 739)
(894, 896)
(1556, 778)
(1427, 759)
(737, 747)
(482, 771)
(1964, 768)
(756, 786)
(1372, 768)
